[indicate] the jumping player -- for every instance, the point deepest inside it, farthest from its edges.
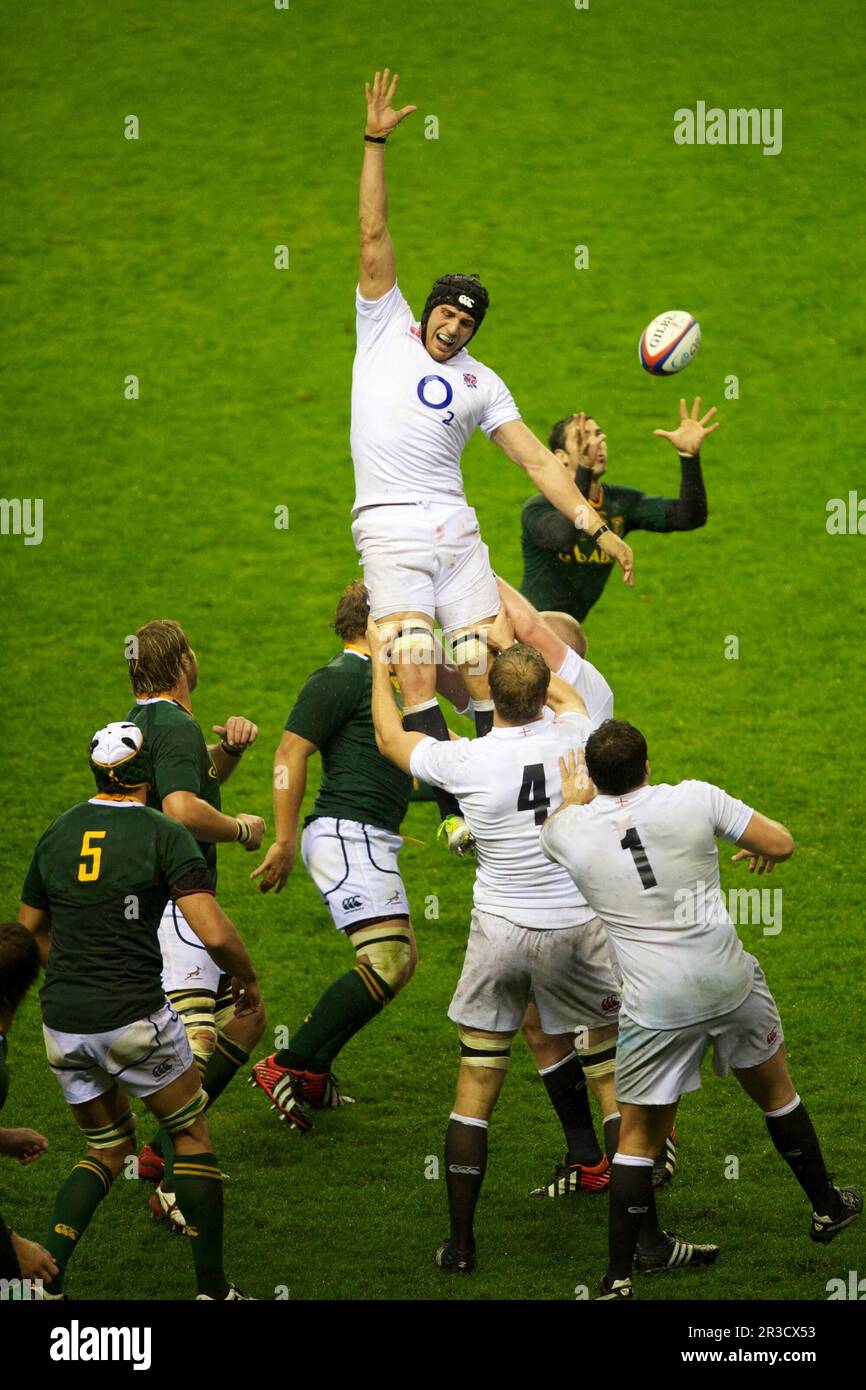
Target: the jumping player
(93, 897)
(350, 844)
(645, 857)
(417, 396)
(569, 572)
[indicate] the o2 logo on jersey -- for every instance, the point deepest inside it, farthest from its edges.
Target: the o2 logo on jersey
(423, 386)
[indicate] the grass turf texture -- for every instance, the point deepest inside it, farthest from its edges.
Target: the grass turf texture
(155, 257)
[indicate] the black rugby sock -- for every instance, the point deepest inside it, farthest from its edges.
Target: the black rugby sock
(795, 1139)
(565, 1083)
(465, 1162)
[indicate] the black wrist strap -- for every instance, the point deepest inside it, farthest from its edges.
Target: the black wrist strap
(232, 752)
(244, 833)
(375, 139)
(600, 532)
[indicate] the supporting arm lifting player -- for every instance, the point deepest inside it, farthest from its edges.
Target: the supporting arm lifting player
(417, 396)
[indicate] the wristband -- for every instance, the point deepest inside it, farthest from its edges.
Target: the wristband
(232, 752)
(244, 833)
(600, 532)
(375, 139)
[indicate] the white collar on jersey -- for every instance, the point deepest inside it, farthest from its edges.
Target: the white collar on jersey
(603, 799)
(519, 731)
(356, 651)
(113, 801)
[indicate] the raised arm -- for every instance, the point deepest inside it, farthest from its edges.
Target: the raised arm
(392, 740)
(547, 473)
(378, 273)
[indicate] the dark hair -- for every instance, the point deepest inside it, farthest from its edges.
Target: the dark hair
(19, 964)
(519, 678)
(556, 438)
(353, 610)
(616, 755)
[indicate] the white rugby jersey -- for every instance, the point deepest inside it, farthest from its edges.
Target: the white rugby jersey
(648, 864)
(589, 683)
(411, 415)
(507, 783)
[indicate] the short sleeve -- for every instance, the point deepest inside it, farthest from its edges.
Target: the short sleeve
(327, 700)
(500, 407)
(34, 893)
(583, 677)
(179, 856)
(373, 317)
(176, 753)
(728, 815)
(572, 721)
(440, 763)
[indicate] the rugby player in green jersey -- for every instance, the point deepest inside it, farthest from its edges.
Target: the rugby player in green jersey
(187, 776)
(93, 898)
(568, 572)
(350, 845)
(19, 966)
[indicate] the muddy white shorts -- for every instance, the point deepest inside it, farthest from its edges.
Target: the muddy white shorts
(185, 961)
(565, 972)
(141, 1057)
(656, 1067)
(426, 557)
(354, 867)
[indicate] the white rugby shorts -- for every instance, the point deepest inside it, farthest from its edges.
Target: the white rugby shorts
(185, 961)
(140, 1057)
(426, 557)
(565, 971)
(656, 1067)
(354, 867)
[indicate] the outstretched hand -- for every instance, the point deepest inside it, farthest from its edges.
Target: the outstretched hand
(691, 432)
(382, 117)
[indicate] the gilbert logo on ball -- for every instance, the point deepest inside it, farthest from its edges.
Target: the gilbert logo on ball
(670, 343)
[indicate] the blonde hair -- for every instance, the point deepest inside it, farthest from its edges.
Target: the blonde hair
(353, 610)
(158, 664)
(519, 678)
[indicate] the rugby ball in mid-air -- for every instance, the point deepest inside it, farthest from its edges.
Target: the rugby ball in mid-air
(670, 343)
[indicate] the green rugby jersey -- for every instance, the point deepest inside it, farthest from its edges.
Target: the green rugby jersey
(105, 870)
(180, 757)
(571, 580)
(333, 712)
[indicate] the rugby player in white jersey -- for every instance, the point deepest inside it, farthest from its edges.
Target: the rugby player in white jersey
(645, 857)
(532, 936)
(586, 1169)
(417, 397)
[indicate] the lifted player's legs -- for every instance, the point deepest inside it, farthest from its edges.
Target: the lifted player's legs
(471, 647)
(386, 956)
(770, 1086)
(484, 1059)
(413, 656)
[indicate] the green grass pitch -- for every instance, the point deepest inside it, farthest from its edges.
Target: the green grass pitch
(155, 258)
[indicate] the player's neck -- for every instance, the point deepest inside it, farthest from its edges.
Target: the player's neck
(357, 644)
(500, 723)
(180, 693)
